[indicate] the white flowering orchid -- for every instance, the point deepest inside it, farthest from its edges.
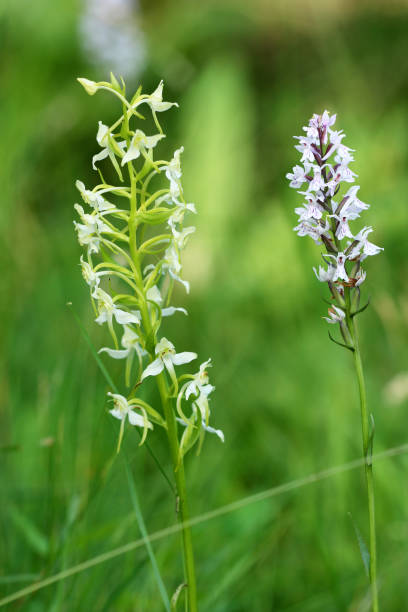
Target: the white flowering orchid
(131, 343)
(91, 277)
(199, 385)
(108, 310)
(155, 100)
(89, 231)
(124, 411)
(325, 276)
(94, 199)
(109, 147)
(298, 176)
(325, 169)
(139, 145)
(132, 258)
(364, 246)
(167, 358)
(171, 264)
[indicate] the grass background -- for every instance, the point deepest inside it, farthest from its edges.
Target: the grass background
(247, 77)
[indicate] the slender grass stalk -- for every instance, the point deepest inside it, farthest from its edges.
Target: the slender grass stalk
(368, 465)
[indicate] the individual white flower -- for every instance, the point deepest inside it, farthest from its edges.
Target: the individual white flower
(90, 229)
(343, 229)
(360, 277)
(105, 140)
(108, 310)
(298, 176)
(139, 144)
(91, 277)
(305, 146)
(173, 174)
(325, 276)
(364, 246)
(180, 237)
(354, 205)
(340, 270)
(153, 295)
(312, 209)
(130, 342)
(96, 200)
(171, 263)
(167, 358)
(155, 100)
(317, 183)
(123, 410)
(179, 211)
(200, 382)
(336, 315)
(312, 229)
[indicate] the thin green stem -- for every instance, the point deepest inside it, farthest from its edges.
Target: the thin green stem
(365, 428)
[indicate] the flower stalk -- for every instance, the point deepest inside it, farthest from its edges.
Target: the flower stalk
(138, 266)
(326, 220)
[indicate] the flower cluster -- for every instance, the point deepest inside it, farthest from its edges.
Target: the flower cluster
(325, 215)
(131, 268)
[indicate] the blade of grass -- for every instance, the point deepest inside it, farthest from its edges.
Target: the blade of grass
(202, 518)
(139, 516)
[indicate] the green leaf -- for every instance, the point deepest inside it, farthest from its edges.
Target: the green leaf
(365, 555)
(143, 531)
(33, 536)
(176, 596)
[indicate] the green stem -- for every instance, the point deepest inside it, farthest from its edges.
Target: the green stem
(172, 436)
(368, 463)
(181, 500)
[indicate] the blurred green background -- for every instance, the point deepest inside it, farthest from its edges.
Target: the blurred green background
(247, 76)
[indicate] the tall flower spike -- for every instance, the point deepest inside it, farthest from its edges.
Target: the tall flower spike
(134, 236)
(326, 216)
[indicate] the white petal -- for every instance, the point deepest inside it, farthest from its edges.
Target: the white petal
(114, 353)
(153, 368)
(168, 312)
(123, 317)
(103, 317)
(217, 432)
(117, 414)
(104, 153)
(137, 419)
(185, 357)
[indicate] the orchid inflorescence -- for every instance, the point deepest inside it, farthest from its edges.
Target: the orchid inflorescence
(131, 269)
(325, 216)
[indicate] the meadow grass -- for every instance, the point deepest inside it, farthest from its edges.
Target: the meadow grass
(285, 409)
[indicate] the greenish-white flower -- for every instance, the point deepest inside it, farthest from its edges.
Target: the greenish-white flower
(123, 410)
(167, 358)
(94, 199)
(108, 310)
(155, 100)
(139, 144)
